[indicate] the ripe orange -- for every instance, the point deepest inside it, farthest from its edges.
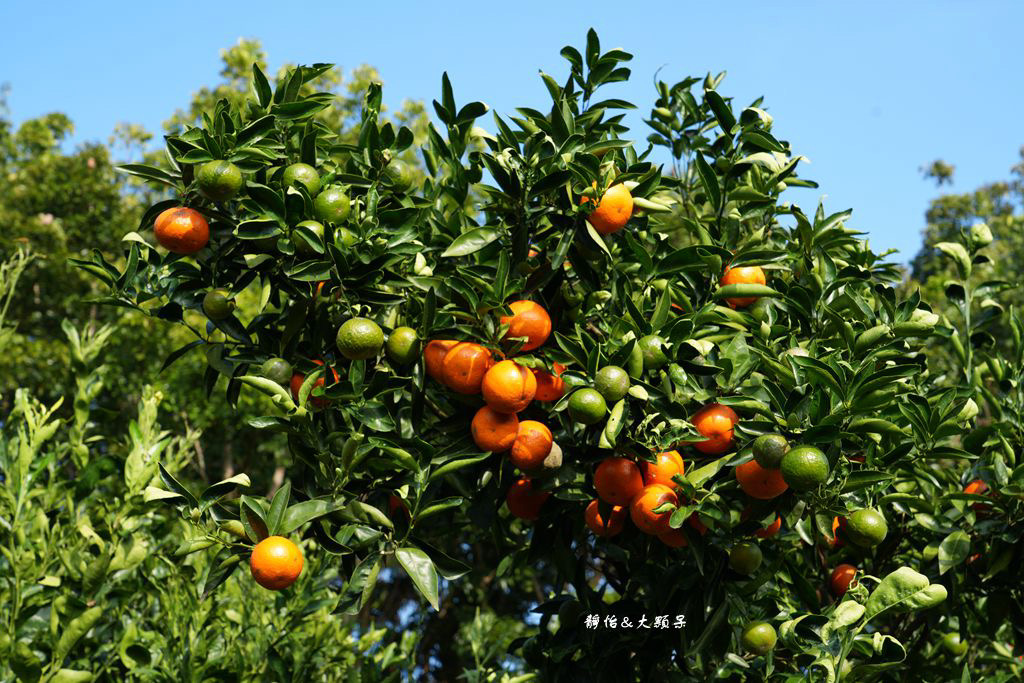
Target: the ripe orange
(508, 387)
(613, 211)
(840, 580)
(529, 319)
(661, 471)
(433, 357)
(763, 532)
(745, 275)
(531, 445)
(771, 529)
(296, 384)
(181, 230)
(979, 487)
(758, 482)
(523, 502)
(838, 524)
(641, 510)
(615, 523)
(494, 431)
(618, 481)
(464, 367)
(674, 538)
(714, 421)
(550, 387)
(275, 563)
(397, 508)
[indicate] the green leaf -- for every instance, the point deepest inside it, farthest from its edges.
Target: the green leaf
(710, 181)
(306, 511)
(722, 112)
(953, 550)
(422, 572)
(903, 588)
(261, 86)
(278, 505)
(471, 242)
(224, 487)
(74, 631)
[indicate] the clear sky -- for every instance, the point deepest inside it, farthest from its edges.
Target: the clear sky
(869, 91)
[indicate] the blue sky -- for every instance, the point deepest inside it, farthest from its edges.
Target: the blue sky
(869, 91)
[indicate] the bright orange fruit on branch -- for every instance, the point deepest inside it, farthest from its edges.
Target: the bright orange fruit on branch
(674, 538)
(181, 230)
(523, 502)
(296, 384)
(641, 510)
(494, 431)
(840, 580)
(661, 471)
(744, 275)
(529, 319)
(615, 523)
(531, 445)
(275, 563)
(618, 481)
(550, 387)
(433, 356)
(714, 421)
(508, 387)
(758, 482)
(464, 367)
(613, 211)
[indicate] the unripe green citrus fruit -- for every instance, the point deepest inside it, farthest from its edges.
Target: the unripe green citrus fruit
(359, 339)
(612, 382)
(403, 346)
(219, 180)
(277, 370)
(866, 528)
(653, 349)
(217, 304)
(804, 468)
(745, 558)
(587, 406)
(769, 450)
(758, 637)
(332, 205)
(306, 176)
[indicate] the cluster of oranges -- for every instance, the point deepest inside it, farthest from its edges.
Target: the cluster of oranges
(639, 490)
(507, 388)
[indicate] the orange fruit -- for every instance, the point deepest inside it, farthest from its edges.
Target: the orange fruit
(763, 532)
(618, 480)
(674, 538)
(523, 502)
(979, 487)
(615, 523)
(508, 387)
(613, 211)
(464, 367)
(641, 510)
(661, 471)
(397, 507)
(714, 421)
(838, 524)
(531, 445)
(181, 230)
(840, 580)
(296, 384)
(529, 319)
(275, 563)
(758, 482)
(550, 387)
(494, 431)
(433, 357)
(744, 275)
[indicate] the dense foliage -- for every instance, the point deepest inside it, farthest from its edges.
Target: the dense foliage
(389, 490)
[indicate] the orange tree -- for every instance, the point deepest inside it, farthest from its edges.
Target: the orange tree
(538, 381)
